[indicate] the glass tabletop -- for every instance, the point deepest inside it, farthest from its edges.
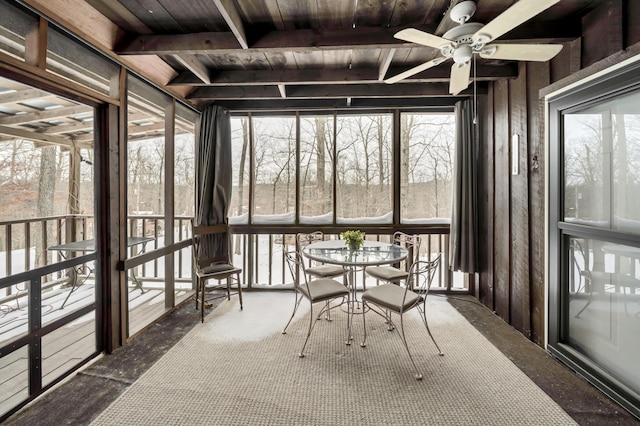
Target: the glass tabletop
(371, 253)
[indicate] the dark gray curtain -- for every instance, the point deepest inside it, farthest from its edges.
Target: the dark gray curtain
(213, 178)
(463, 253)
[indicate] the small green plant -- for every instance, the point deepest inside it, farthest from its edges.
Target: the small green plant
(353, 239)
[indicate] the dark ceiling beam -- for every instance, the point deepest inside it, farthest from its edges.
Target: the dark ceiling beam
(193, 64)
(435, 104)
(326, 91)
(336, 76)
(231, 16)
(323, 39)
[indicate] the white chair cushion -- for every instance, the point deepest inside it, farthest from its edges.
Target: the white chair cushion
(325, 271)
(390, 296)
(323, 289)
(217, 267)
(387, 273)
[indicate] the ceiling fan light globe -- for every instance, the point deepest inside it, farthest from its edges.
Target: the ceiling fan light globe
(462, 54)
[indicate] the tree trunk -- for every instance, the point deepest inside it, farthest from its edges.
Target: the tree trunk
(44, 206)
(321, 160)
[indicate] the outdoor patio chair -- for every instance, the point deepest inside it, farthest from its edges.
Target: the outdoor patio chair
(315, 270)
(316, 290)
(216, 268)
(399, 299)
(318, 270)
(392, 274)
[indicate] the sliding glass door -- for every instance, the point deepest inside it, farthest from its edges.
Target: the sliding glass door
(594, 233)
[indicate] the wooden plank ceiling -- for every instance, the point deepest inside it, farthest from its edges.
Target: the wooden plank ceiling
(252, 54)
(286, 52)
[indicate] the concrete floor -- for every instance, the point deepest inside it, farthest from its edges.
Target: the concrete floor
(82, 398)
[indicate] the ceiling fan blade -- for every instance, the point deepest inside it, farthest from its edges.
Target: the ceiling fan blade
(459, 77)
(420, 37)
(521, 52)
(520, 12)
(415, 70)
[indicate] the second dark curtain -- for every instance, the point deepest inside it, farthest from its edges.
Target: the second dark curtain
(213, 178)
(463, 243)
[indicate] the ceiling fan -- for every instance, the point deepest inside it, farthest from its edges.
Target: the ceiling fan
(461, 43)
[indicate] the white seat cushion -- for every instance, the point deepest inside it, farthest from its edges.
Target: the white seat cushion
(390, 296)
(325, 271)
(323, 289)
(387, 273)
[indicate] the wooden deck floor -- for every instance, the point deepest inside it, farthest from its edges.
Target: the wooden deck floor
(67, 346)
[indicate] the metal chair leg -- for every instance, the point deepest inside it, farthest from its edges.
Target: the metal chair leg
(423, 315)
(295, 309)
(418, 376)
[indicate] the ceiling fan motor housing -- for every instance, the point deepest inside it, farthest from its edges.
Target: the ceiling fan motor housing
(463, 11)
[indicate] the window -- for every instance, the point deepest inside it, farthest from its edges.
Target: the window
(601, 164)
(275, 169)
(336, 168)
(364, 169)
(426, 167)
(316, 169)
(240, 144)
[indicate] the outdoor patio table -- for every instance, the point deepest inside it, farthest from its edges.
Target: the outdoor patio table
(371, 253)
(85, 246)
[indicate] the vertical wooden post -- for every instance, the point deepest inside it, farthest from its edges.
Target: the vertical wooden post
(36, 44)
(169, 211)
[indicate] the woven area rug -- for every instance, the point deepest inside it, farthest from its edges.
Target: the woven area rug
(238, 369)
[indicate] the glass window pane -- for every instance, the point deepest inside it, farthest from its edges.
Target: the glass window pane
(601, 164)
(364, 169)
(239, 209)
(316, 169)
(603, 293)
(184, 162)
(625, 129)
(145, 162)
(275, 169)
(426, 167)
(583, 168)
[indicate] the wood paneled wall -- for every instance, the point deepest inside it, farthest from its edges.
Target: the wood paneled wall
(511, 211)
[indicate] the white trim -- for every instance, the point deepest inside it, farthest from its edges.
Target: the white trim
(547, 137)
(594, 76)
(546, 222)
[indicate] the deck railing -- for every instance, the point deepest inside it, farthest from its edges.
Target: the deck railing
(258, 249)
(260, 252)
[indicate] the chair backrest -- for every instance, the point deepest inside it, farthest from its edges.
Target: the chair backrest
(421, 275)
(411, 243)
(296, 266)
(304, 239)
(201, 235)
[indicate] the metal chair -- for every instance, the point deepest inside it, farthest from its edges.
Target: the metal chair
(319, 270)
(313, 270)
(399, 299)
(392, 274)
(316, 290)
(209, 267)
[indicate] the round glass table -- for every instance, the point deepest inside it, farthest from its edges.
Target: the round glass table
(371, 253)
